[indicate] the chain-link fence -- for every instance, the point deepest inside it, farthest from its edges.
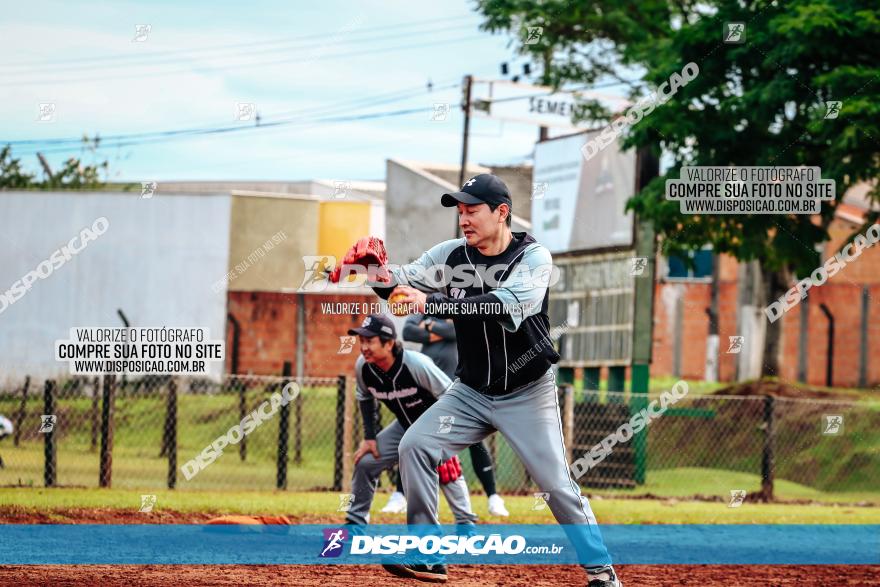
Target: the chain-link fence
(160, 431)
(154, 431)
(713, 444)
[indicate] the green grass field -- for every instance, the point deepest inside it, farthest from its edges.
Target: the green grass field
(325, 504)
(687, 456)
(137, 443)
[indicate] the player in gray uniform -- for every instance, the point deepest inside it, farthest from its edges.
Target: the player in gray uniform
(497, 299)
(408, 383)
(6, 429)
(438, 343)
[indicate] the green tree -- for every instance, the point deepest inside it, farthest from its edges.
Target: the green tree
(12, 176)
(761, 102)
(72, 174)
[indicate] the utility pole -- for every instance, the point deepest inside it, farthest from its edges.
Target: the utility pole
(466, 106)
(543, 132)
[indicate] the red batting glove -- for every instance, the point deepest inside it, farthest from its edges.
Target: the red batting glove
(369, 250)
(450, 470)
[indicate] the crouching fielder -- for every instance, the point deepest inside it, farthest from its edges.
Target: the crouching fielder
(408, 383)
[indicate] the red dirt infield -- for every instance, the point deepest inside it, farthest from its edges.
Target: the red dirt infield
(359, 575)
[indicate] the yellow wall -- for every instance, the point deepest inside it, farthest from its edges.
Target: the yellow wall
(307, 228)
(341, 225)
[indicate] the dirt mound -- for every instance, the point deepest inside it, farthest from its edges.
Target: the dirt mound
(781, 389)
(19, 515)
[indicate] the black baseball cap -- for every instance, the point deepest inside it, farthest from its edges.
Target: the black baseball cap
(375, 325)
(482, 189)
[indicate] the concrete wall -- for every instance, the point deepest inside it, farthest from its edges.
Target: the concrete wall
(157, 261)
(518, 180)
(359, 190)
(254, 221)
(415, 220)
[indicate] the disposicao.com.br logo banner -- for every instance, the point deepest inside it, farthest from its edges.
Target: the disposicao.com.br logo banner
(734, 544)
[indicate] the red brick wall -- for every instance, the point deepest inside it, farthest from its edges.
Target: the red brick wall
(844, 301)
(842, 295)
(268, 333)
(695, 328)
(268, 327)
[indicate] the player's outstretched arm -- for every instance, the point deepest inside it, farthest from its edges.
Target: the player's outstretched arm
(367, 405)
(413, 332)
(424, 274)
(444, 329)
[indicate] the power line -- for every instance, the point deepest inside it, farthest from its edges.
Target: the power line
(356, 53)
(130, 139)
(103, 58)
(266, 126)
(378, 99)
(148, 61)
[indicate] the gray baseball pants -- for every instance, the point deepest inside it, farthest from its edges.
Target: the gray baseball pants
(528, 418)
(369, 468)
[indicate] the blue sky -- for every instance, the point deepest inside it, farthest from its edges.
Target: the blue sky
(201, 58)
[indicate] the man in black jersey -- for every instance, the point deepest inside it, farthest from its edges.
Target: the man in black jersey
(408, 383)
(497, 299)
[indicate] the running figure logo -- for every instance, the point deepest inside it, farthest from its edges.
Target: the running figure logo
(833, 424)
(346, 344)
(737, 497)
(638, 265)
(147, 503)
(333, 541)
(533, 34)
(832, 109)
(736, 345)
(345, 501)
(317, 271)
(47, 423)
(734, 32)
(446, 423)
(541, 499)
(148, 188)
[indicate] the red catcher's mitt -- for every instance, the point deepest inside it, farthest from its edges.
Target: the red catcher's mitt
(450, 470)
(369, 250)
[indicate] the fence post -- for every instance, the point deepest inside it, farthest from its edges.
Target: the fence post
(171, 433)
(617, 384)
(106, 467)
(768, 460)
(22, 410)
(568, 420)
(283, 434)
(94, 419)
(166, 425)
(340, 431)
(240, 387)
(591, 384)
(49, 468)
(863, 337)
(347, 437)
(297, 428)
(638, 402)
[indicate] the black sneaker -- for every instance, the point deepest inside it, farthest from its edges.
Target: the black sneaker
(604, 578)
(435, 573)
